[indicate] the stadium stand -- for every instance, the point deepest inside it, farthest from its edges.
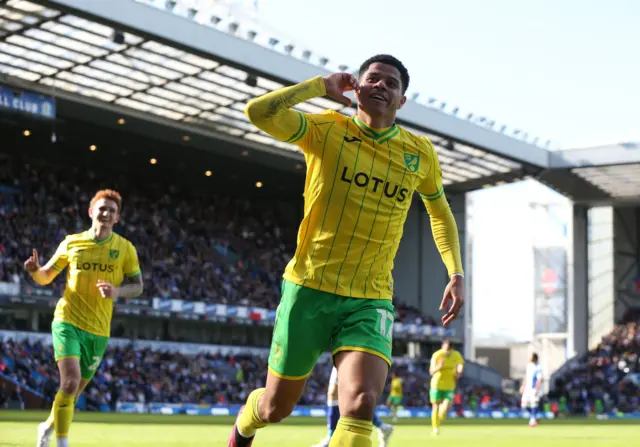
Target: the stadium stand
(129, 375)
(206, 247)
(607, 378)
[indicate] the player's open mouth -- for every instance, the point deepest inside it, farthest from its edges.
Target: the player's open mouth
(377, 97)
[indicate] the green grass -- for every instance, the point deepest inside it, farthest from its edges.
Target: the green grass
(18, 429)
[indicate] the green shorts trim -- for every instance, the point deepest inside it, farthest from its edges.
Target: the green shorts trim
(309, 322)
(395, 400)
(69, 341)
(437, 396)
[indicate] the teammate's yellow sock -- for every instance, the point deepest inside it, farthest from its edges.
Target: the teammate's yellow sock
(249, 421)
(435, 419)
(52, 413)
(442, 413)
(352, 432)
(63, 406)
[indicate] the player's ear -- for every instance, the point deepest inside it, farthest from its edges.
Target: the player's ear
(403, 100)
(91, 212)
(117, 219)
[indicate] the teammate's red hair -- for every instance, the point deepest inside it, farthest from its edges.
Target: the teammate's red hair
(108, 194)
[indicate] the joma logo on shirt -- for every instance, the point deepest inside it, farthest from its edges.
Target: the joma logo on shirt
(95, 267)
(363, 180)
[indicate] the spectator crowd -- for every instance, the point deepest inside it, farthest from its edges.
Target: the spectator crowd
(607, 378)
(143, 376)
(191, 245)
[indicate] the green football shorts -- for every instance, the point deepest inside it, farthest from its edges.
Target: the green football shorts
(395, 400)
(309, 322)
(437, 396)
(69, 341)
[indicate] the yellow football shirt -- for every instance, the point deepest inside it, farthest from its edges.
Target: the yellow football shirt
(396, 387)
(358, 190)
(89, 260)
(445, 379)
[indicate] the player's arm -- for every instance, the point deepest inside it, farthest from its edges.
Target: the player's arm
(538, 381)
(273, 112)
(436, 364)
(460, 366)
(44, 275)
(132, 286)
(443, 224)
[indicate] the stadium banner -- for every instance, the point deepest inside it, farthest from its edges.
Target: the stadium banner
(198, 311)
(256, 315)
(27, 102)
(550, 285)
(321, 411)
(311, 411)
(9, 289)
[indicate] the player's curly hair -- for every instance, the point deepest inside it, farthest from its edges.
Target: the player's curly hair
(388, 60)
(108, 194)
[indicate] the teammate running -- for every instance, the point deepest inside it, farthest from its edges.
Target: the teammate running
(530, 389)
(362, 172)
(395, 395)
(447, 366)
(333, 414)
(97, 261)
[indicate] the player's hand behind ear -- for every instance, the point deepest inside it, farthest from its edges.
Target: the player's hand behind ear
(338, 83)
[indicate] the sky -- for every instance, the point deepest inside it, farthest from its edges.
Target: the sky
(565, 71)
(561, 70)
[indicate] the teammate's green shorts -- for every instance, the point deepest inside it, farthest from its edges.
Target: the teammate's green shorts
(395, 400)
(69, 341)
(309, 322)
(436, 395)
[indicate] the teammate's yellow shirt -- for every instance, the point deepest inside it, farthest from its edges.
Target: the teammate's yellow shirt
(445, 379)
(358, 190)
(89, 260)
(396, 387)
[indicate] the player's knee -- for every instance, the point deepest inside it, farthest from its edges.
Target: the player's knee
(70, 385)
(275, 410)
(361, 404)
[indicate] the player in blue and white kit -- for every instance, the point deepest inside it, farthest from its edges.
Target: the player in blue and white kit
(333, 414)
(531, 388)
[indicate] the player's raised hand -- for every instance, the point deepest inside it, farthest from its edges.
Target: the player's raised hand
(33, 263)
(337, 84)
(453, 300)
(107, 290)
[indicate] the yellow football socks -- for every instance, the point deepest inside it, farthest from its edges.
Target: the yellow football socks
(435, 419)
(352, 432)
(63, 406)
(249, 421)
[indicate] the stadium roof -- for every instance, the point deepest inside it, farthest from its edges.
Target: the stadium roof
(602, 174)
(146, 62)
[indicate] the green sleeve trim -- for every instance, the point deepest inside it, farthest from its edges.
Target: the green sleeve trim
(136, 273)
(434, 196)
(302, 130)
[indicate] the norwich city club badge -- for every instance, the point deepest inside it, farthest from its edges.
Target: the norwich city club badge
(113, 254)
(412, 162)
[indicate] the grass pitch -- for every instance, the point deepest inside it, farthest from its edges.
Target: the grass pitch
(19, 430)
